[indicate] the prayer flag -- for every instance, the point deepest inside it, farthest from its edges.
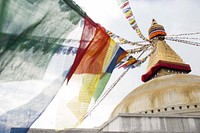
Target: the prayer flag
(36, 53)
(90, 76)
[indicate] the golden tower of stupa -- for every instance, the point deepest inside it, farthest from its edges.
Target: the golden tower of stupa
(164, 60)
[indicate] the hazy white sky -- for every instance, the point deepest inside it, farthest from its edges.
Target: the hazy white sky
(177, 16)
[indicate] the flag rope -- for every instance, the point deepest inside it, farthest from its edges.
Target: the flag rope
(120, 40)
(187, 38)
(178, 38)
(183, 34)
(184, 41)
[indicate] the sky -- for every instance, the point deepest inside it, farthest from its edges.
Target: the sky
(177, 16)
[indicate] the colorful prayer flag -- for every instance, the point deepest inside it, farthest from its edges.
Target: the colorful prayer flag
(128, 13)
(36, 53)
(90, 75)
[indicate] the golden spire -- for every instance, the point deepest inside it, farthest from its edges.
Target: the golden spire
(165, 53)
(164, 60)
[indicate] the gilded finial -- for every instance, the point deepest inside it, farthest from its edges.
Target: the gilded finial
(156, 30)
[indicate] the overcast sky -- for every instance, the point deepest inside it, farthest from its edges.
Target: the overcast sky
(177, 16)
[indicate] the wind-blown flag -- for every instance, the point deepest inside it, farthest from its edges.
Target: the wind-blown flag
(38, 43)
(129, 62)
(36, 53)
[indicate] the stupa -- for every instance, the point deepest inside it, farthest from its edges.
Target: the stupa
(168, 101)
